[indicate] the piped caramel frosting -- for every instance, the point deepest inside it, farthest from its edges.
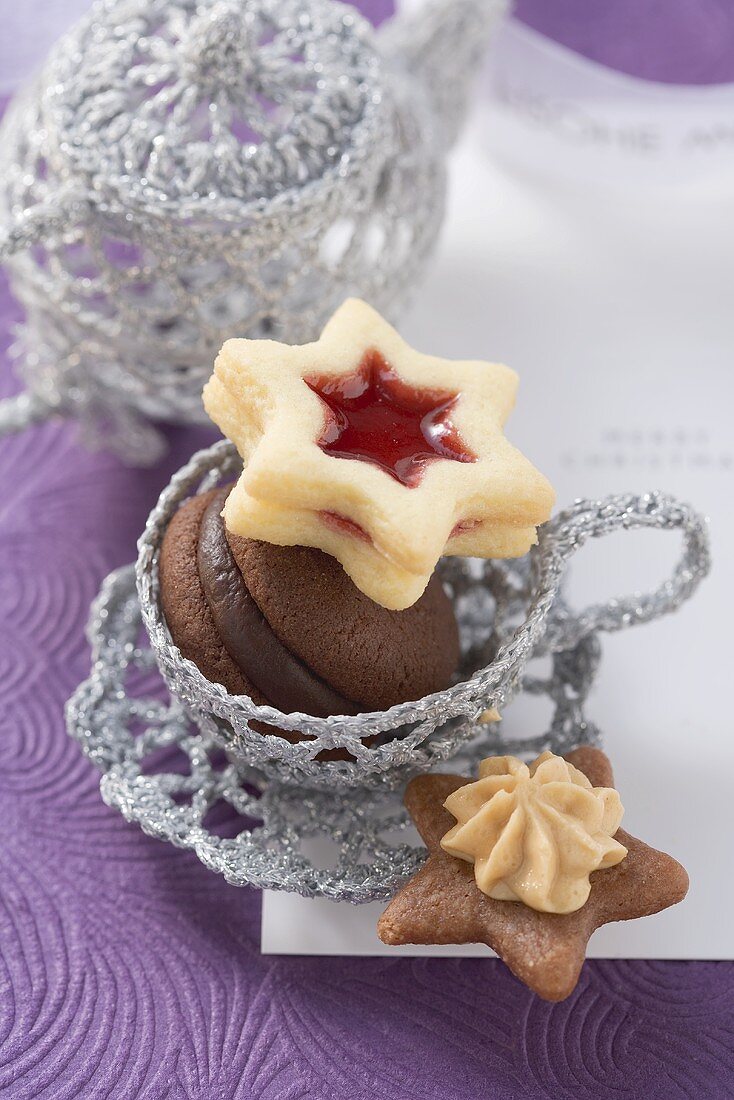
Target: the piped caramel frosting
(535, 833)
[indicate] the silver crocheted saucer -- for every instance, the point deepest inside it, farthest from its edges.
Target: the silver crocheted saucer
(509, 613)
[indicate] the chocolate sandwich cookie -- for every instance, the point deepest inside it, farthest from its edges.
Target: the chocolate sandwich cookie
(287, 626)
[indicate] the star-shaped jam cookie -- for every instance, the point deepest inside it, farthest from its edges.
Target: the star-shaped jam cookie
(443, 904)
(379, 455)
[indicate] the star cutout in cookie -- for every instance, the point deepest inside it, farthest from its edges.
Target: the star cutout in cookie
(379, 455)
(443, 904)
(376, 417)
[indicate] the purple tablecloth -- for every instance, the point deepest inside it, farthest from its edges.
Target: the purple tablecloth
(674, 41)
(129, 971)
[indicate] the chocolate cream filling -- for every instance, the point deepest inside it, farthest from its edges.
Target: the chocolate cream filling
(265, 661)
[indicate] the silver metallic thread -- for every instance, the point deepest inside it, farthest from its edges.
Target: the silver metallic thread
(509, 612)
(183, 171)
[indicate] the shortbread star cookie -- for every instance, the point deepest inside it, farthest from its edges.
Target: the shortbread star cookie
(496, 870)
(379, 455)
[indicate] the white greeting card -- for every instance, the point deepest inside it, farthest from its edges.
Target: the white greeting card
(615, 308)
(586, 120)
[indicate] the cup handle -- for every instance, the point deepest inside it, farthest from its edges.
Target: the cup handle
(29, 228)
(586, 519)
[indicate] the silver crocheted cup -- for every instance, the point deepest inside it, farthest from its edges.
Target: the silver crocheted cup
(508, 612)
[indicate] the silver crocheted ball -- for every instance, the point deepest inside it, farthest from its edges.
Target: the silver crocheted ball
(183, 171)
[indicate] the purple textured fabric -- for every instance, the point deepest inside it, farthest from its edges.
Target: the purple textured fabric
(675, 41)
(375, 10)
(128, 971)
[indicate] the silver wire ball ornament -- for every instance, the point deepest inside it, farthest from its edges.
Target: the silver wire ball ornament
(182, 172)
(509, 613)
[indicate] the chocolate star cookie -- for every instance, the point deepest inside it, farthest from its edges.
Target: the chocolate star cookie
(443, 904)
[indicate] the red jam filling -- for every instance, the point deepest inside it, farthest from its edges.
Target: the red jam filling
(375, 416)
(344, 525)
(464, 526)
